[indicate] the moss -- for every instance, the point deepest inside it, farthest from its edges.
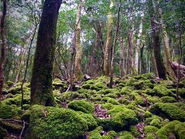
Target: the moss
(90, 119)
(153, 99)
(9, 111)
(134, 131)
(156, 122)
(51, 122)
(149, 91)
(123, 117)
(68, 96)
(151, 136)
(107, 106)
(166, 99)
(98, 86)
(81, 105)
(86, 86)
(174, 128)
(162, 91)
(112, 101)
(126, 90)
(182, 92)
(3, 133)
(126, 135)
(150, 129)
(147, 114)
(154, 117)
(145, 76)
(170, 110)
(138, 85)
(59, 84)
(95, 134)
(11, 127)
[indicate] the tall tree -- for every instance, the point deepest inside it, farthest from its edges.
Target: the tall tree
(41, 82)
(3, 47)
(78, 57)
(156, 42)
(106, 63)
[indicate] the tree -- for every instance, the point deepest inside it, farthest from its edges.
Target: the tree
(41, 82)
(106, 66)
(3, 47)
(156, 43)
(78, 57)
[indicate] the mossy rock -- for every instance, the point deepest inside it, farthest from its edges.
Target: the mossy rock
(68, 96)
(111, 100)
(81, 105)
(3, 133)
(161, 90)
(134, 131)
(145, 76)
(95, 134)
(174, 129)
(123, 117)
(169, 110)
(90, 119)
(126, 135)
(11, 127)
(98, 86)
(9, 111)
(150, 129)
(107, 106)
(51, 122)
(126, 90)
(166, 99)
(156, 122)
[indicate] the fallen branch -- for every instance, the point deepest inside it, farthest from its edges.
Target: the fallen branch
(24, 124)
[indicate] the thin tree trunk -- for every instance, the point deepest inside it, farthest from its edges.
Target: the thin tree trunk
(107, 52)
(3, 47)
(78, 58)
(122, 58)
(138, 44)
(114, 46)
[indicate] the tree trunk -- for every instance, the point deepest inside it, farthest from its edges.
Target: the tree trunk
(156, 40)
(3, 47)
(78, 58)
(122, 58)
(137, 44)
(42, 73)
(130, 44)
(106, 63)
(165, 39)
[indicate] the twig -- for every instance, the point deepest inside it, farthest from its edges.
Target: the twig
(24, 123)
(13, 120)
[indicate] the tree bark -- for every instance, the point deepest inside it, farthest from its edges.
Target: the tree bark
(3, 47)
(122, 58)
(78, 58)
(42, 73)
(165, 39)
(107, 52)
(156, 40)
(137, 44)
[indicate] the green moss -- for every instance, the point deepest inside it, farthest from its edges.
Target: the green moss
(123, 117)
(126, 135)
(126, 90)
(9, 111)
(3, 133)
(81, 105)
(134, 131)
(90, 119)
(51, 122)
(95, 134)
(170, 110)
(168, 99)
(150, 129)
(112, 101)
(147, 114)
(59, 84)
(98, 86)
(68, 96)
(149, 91)
(156, 122)
(107, 106)
(174, 128)
(11, 127)
(162, 90)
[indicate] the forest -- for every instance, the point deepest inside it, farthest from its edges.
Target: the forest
(92, 69)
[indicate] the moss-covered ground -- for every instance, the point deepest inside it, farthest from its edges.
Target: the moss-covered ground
(141, 107)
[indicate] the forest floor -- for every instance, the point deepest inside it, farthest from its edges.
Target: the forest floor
(141, 107)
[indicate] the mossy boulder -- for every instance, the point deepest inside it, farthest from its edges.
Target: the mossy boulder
(150, 129)
(126, 135)
(81, 105)
(166, 99)
(95, 134)
(161, 90)
(126, 90)
(174, 129)
(51, 122)
(169, 110)
(11, 127)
